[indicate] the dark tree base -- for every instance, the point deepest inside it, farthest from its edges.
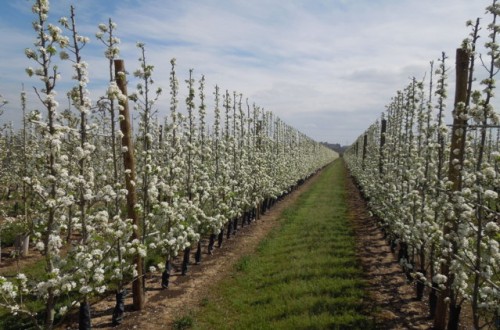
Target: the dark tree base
(197, 256)
(185, 260)
(220, 238)
(84, 321)
(211, 243)
(119, 308)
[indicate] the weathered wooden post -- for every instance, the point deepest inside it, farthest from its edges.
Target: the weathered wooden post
(260, 147)
(365, 145)
(447, 296)
(383, 129)
(129, 165)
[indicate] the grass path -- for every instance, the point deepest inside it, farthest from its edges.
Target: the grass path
(304, 275)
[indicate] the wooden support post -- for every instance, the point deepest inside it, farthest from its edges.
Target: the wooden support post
(365, 145)
(454, 175)
(383, 129)
(129, 165)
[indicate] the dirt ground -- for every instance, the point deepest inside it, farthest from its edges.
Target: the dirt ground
(10, 264)
(392, 297)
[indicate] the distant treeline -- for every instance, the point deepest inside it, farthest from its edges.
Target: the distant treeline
(336, 147)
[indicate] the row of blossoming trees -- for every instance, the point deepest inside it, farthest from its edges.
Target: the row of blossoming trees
(98, 200)
(434, 186)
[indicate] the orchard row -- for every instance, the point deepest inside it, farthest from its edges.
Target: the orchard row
(435, 186)
(98, 200)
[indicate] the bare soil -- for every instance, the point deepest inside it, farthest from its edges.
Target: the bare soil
(11, 264)
(389, 291)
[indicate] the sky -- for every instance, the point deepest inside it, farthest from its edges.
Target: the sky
(326, 67)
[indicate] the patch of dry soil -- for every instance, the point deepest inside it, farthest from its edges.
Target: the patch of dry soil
(388, 288)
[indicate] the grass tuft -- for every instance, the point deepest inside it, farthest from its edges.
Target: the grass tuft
(243, 264)
(183, 323)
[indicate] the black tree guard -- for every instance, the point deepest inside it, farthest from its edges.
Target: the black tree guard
(265, 205)
(165, 276)
(408, 272)
(235, 226)
(420, 286)
(185, 260)
(403, 251)
(119, 308)
(229, 229)
(393, 245)
(197, 256)
(243, 219)
(433, 300)
(84, 322)
(211, 243)
(454, 317)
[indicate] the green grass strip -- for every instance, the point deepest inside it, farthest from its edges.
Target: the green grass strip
(304, 275)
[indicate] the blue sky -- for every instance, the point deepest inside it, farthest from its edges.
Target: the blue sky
(326, 67)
